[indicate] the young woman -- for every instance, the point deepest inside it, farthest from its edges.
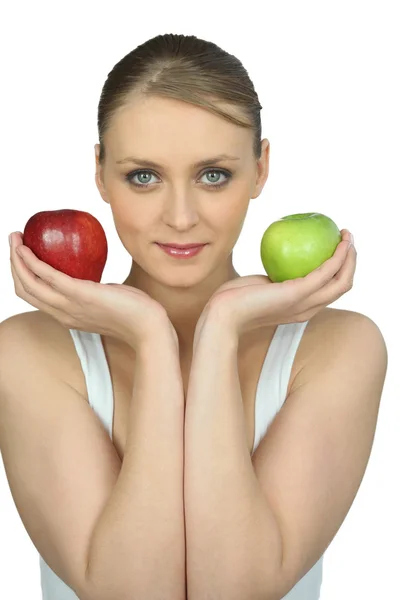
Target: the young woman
(189, 433)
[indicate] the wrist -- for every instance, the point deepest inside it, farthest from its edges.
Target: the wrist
(216, 327)
(160, 355)
(159, 333)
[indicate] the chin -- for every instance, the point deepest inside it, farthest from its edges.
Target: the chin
(182, 276)
(183, 281)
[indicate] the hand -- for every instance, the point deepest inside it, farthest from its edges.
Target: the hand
(253, 301)
(117, 310)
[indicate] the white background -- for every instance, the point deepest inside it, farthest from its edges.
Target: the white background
(327, 77)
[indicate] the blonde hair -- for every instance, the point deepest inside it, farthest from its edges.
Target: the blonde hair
(185, 68)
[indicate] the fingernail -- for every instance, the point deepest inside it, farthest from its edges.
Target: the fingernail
(9, 239)
(352, 238)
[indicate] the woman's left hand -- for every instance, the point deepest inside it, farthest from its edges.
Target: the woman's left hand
(253, 301)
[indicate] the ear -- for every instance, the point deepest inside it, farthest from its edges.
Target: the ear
(262, 168)
(99, 175)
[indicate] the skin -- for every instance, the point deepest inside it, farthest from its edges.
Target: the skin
(180, 205)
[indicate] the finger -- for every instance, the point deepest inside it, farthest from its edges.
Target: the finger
(39, 279)
(21, 291)
(25, 295)
(52, 277)
(342, 281)
(319, 277)
(346, 235)
(30, 284)
(332, 265)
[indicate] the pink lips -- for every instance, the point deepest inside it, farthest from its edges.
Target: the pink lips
(179, 252)
(181, 246)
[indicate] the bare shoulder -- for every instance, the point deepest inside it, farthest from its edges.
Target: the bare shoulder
(312, 460)
(335, 331)
(333, 322)
(40, 332)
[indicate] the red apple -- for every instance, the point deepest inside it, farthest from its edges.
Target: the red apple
(71, 241)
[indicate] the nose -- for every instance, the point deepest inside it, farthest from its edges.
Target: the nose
(180, 211)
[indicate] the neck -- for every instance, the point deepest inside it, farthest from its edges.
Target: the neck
(183, 304)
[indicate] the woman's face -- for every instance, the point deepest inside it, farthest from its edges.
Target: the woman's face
(177, 201)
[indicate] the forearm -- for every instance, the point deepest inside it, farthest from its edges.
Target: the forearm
(138, 548)
(233, 542)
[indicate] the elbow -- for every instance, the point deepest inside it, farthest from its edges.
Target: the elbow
(254, 584)
(103, 591)
(105, 588)
(263, 579)
(90, 590)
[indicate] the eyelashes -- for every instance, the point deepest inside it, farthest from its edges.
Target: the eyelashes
(129, 177)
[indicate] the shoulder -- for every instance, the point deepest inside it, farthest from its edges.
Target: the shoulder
(36, 334)
(335, 337)
(332, 324)
(36, 326)
(313, 457)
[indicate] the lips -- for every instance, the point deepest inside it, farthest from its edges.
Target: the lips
(182, 253)
(181, 246)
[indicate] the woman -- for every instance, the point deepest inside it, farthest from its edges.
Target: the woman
(189, 433)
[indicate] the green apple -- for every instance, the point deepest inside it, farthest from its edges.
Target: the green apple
(297, 244)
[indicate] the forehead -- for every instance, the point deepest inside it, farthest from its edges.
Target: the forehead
(165, 126)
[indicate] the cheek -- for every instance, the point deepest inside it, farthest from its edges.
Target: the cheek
(132, 216)
(230, 214)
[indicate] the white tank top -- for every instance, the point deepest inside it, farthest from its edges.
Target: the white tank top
(270, 396)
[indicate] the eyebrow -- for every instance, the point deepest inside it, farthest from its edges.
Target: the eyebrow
(201, 163)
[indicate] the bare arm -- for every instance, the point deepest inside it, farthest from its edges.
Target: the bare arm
(228, 522)
(256, 524)
(117, 531)
(138, 547)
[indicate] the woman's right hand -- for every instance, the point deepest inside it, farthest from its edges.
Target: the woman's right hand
(117, 310)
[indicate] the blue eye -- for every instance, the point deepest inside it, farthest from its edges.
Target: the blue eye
(129, 177)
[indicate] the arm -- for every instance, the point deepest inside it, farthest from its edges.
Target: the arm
(138, 547)
(224, 505)
(256, 525)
